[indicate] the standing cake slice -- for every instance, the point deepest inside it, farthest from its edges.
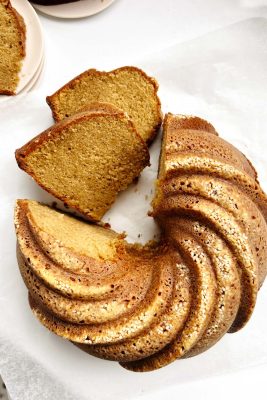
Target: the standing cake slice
(128, 88)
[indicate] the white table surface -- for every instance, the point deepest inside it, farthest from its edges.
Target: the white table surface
(122, 34)
(131, 29)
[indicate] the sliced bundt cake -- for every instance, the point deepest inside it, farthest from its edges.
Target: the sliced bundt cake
(99, 278)
(86, 159)
(128, 88)
(148, 306)
(12, 47)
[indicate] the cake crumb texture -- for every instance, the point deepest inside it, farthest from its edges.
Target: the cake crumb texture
(87, 159)
(12, 47)
(128, 88)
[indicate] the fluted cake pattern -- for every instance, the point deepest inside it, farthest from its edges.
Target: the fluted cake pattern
(148, 306)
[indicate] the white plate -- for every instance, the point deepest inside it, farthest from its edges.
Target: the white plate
(79, 9)
(33, 82)
(34, 43)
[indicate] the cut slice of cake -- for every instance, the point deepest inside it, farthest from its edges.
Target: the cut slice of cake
(128, 88)
(87, 159)
(12, 47)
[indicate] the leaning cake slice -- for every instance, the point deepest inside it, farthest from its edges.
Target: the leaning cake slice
(86, 159)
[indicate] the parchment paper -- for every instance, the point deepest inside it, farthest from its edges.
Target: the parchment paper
(221, 77)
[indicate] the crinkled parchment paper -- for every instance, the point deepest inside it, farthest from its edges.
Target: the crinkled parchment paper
(221, 77)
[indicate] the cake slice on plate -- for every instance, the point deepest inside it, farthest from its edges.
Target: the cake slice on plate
(12, 47)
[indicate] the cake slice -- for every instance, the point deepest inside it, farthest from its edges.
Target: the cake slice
(12, 47)
(86, 159)
(128, 88)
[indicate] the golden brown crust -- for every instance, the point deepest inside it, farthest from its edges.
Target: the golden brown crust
(7, 92)
(92, 71)
(21, 25)
(22, 29)
(177, 122)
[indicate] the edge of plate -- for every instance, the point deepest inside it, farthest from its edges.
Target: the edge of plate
(56, 11)
(20, 6)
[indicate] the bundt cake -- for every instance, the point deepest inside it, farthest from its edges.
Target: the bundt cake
(128, 88)
(86, 159)
(148, 306)
(12, 47)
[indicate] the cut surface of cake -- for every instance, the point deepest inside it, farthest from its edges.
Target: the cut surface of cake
(147, 306)
(87, 159)
(12, 47)
(128, 88)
